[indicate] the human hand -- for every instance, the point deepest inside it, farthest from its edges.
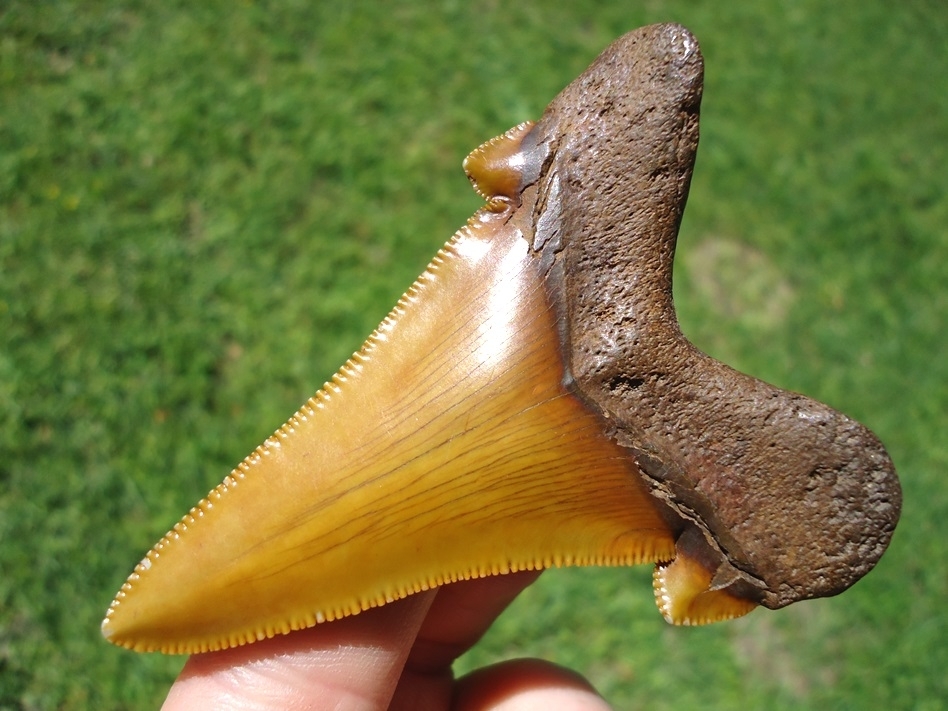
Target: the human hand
(398, 656)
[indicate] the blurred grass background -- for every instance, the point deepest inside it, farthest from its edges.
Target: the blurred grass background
(205, 207)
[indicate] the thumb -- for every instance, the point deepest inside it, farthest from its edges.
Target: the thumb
(352, 663)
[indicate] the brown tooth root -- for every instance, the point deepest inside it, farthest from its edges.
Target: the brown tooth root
(531, 402)
(790, 499)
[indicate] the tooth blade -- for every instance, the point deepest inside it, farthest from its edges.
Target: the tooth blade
(447, 448)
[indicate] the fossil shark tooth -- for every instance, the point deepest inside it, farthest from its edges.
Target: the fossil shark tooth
(531, 402)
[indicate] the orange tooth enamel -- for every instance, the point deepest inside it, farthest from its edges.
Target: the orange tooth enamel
(495, 168)
(447, 448)
(685, 594)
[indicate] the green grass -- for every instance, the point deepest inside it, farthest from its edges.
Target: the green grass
(205, 207)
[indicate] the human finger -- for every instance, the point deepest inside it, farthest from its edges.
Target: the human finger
(351, 663)
(526, 685)
(458, 617)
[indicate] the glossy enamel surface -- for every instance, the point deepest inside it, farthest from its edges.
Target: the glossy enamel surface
(447, 448)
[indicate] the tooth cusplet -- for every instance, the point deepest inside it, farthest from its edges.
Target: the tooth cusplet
(495, 168)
